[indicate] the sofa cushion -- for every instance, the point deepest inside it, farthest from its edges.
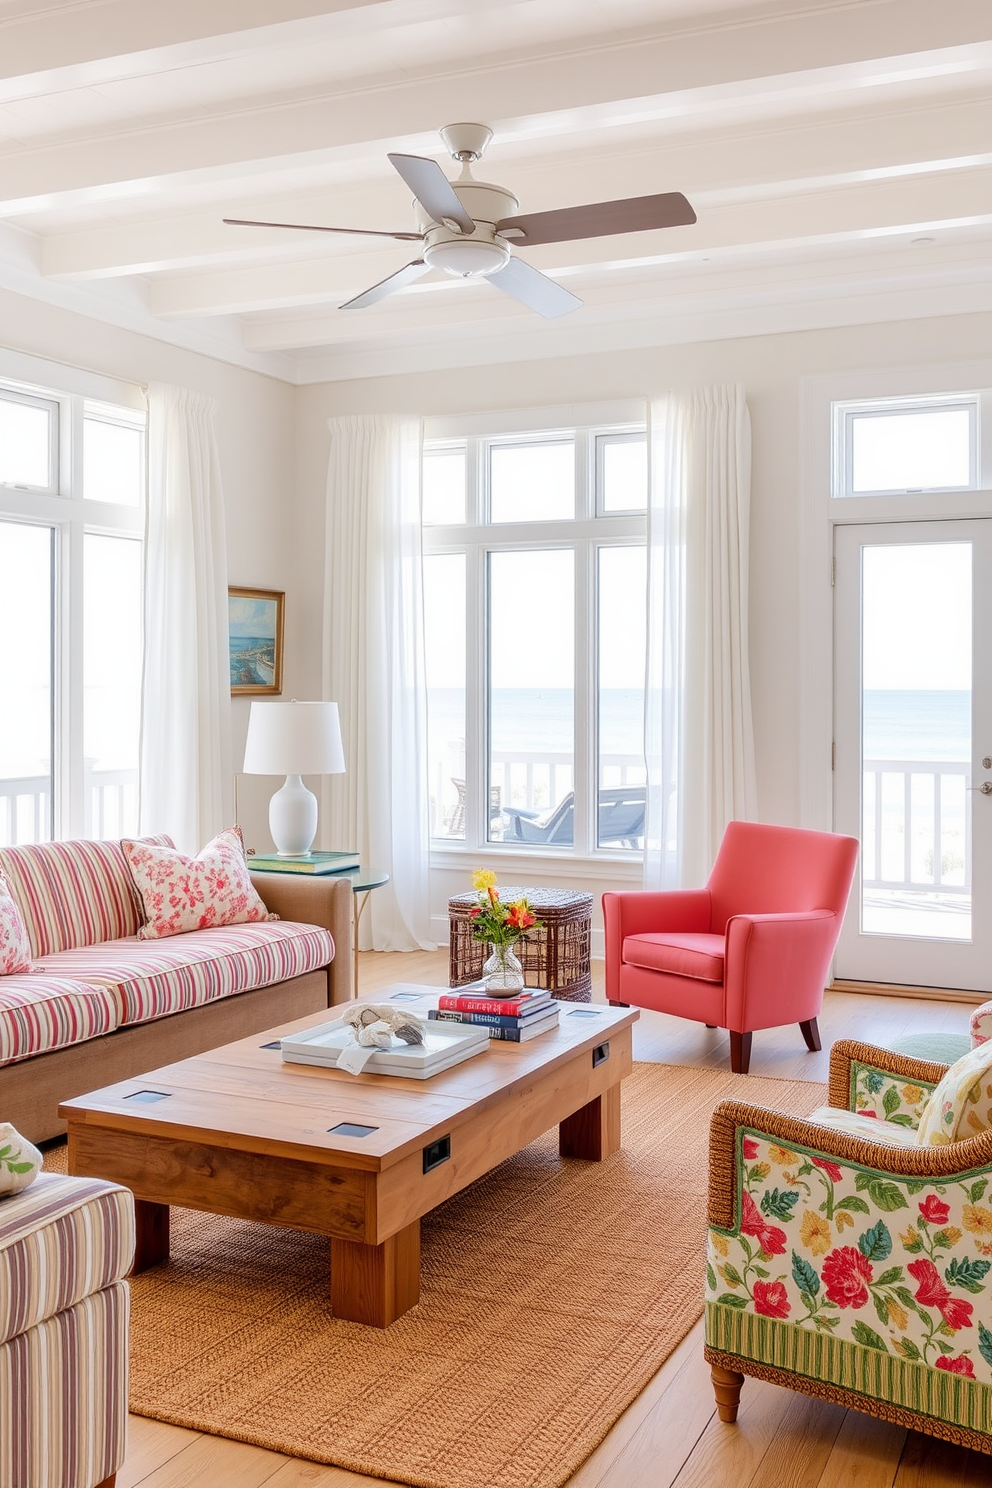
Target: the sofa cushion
(865, 1125)
(72, 893)
(961, 1105)
(150, 979)
(40, 1012)
(180, 894)
(15, 946)
(60, 1240)
(699, 956)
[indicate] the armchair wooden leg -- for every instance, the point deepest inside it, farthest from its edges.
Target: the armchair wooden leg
(811, 1034)
(740, 1052)
(727, 1389)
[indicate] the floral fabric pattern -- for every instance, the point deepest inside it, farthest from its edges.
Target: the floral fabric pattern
(20, 1160)
(981, 1025)
(890, 1097)
(864, 1124)
(961, 1105)
(897, 1265)
(181, 894)
(15, 948)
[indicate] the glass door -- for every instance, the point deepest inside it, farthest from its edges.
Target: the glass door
(913, 750)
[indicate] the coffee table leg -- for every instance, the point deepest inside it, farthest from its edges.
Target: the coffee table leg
(592, 1132)
(376, 1284)
(151, 1222)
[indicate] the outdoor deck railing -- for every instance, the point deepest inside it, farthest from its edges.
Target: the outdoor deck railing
(906, 821)
(110, 806)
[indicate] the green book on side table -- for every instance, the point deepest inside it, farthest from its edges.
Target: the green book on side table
(315, 862)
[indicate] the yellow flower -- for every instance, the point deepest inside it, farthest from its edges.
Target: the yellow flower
(483, 879)
(721, 1245)
(761, 1170)
(978, 1221)
(950, 1236)
(910, 1237)
(983, 1247)
(780, 1155)
(912, 1095)
(843, 1220)
(815, 1233)
(897, 1314)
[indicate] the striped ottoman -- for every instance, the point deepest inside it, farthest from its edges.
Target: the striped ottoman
(65, 1246)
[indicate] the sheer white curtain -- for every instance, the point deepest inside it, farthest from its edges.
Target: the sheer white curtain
(698, 733)
(186, 693)
(374, 669)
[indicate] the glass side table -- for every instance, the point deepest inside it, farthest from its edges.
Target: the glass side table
(363, 881)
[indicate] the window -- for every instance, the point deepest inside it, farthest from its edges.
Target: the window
(889, 447)
(535, 592)
(72, 487)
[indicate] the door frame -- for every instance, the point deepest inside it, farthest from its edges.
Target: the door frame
(820, 512)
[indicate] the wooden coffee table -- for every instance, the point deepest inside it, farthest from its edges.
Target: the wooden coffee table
(358, 1158)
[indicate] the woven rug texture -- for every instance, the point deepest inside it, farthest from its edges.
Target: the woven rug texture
(552, 1291)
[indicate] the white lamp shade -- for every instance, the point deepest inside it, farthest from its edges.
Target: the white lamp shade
(294, 739)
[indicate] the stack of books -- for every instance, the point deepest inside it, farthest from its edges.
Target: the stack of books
(512, 1018)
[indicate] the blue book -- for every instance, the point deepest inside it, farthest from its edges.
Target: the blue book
(494, 1020)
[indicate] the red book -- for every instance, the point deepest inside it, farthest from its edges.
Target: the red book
(512, 1006)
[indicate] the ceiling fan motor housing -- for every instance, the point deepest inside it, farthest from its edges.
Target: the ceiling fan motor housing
(470, 255)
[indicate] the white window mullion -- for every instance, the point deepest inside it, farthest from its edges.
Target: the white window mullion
(585, 698)
(476, 691)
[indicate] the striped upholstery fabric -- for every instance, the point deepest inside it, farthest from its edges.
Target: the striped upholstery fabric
(39, 1013)
(151, 978)
(73, 893)
(63, 1396)
(60, 1240)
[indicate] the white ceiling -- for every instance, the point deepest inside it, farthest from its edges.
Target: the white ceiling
(838, 154)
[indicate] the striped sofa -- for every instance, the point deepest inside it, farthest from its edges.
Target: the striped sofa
(65, 1246)
(100, 1005)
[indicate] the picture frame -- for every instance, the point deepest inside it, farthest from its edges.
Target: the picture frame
(255, 619)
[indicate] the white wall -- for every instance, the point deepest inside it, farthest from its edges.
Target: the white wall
(255, 437)
(772, 369)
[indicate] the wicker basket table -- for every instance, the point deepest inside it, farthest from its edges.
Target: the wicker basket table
(556, 957)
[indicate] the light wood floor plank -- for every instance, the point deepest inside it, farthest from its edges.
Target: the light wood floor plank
(670, 1434)
(865, 1455)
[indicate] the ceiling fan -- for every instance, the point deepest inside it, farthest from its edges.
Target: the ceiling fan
(468, 227)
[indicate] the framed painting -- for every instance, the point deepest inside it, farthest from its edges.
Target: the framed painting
(255, 629)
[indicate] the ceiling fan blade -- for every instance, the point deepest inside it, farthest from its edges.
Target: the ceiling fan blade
(599, 219)
(415, 270)
(433, 190)
(362, 232)
(534, 289)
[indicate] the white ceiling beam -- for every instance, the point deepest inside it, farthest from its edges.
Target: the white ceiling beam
(671, 74)
(867, 209)
(84, 46)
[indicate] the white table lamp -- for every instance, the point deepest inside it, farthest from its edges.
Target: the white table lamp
(293, 739)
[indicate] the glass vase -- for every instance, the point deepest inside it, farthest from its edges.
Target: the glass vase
(503, 972)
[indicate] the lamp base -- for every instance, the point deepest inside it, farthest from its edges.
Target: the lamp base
(293, 818)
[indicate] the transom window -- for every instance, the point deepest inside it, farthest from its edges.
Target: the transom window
(72, 491)
(899, 447)
(535, 582)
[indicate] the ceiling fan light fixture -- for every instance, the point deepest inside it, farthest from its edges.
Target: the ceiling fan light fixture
(468, 258)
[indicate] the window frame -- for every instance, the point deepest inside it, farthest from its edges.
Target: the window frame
(589, 530)
(844, 415)
(70, 517)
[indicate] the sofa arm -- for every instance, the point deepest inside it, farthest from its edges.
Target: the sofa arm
(877, 1082)
(776, 967)
(323, 899)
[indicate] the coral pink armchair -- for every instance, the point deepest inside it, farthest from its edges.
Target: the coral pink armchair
(749, 951)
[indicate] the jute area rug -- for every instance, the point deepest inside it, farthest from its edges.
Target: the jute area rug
(552, 1291)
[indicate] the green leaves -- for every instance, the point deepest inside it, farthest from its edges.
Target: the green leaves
(891, 1101)
(908, 1349)
(985, 1343)
(876, 1244)
(902, 1118)
(727, 1299)
(779, 1204)
(711, 1282)
(868, 1337)
(874, 1080)
(804, 1276)
(978, 1189)
(884, 1195)
(731, 1274)
(967, 1274)
(853, 1205)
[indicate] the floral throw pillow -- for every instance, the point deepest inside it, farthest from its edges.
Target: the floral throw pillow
(15, 947)
(961, 1105)
(20, 1163)
(181, 894)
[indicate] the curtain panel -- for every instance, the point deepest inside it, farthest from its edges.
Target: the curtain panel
(186, 779)
(698, 732)
(374, 669)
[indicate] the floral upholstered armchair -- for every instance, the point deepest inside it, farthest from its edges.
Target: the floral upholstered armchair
(850, 1253)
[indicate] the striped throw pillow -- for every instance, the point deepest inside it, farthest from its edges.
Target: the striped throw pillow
(15, 947)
